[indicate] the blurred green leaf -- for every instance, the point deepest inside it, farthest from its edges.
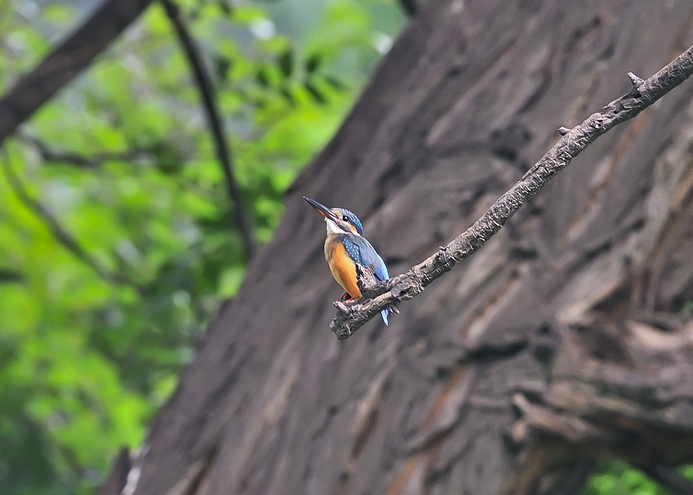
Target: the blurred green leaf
(285, 61)
(312, 63)
(223, 66)
(262, 78)
(226, 7)
(335, 83)
(288, 95)
(315, 93)
(7, 275)
(618, 478)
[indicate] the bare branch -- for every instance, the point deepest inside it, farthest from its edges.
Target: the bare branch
(351, 316)
(207, 93)
(410, 7)
(66, 61)
(116, 480)
(50, 155)
(57, 230)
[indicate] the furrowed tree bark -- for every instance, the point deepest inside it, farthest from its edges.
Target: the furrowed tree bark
(563, 341)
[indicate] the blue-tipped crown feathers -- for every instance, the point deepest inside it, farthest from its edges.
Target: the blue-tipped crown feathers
(349, 217)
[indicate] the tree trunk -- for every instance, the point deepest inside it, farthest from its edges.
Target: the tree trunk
(559, 343)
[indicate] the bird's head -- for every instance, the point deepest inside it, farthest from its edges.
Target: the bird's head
(338, 220)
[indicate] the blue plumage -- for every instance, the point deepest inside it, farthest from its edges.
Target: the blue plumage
(345, 228)
(364, 254)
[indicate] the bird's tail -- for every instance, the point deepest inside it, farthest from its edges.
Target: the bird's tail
(384, 313)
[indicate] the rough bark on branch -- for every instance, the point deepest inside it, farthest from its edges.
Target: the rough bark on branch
(351, 316)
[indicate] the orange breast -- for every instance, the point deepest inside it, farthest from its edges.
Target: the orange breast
(342, 267)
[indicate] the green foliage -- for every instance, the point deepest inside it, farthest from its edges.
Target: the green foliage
(618, 478)
(123, 161)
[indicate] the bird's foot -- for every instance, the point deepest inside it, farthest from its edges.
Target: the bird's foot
(346, 297)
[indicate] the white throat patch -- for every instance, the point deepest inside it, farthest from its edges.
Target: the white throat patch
(332, 228)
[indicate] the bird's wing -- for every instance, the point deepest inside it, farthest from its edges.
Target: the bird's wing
(361, 251)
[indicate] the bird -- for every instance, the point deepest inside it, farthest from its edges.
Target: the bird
(346, 249)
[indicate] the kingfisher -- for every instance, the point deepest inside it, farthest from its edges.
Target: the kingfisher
(346, 248)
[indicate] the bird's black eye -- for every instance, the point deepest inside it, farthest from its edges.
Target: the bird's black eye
(345, 218)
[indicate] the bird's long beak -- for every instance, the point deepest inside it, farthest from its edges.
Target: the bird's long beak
(322, 209)
(327, 213)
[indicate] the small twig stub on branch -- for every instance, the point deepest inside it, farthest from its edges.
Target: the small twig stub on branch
(352, 315)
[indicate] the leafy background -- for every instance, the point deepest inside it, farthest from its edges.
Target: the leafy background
(117, 243)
